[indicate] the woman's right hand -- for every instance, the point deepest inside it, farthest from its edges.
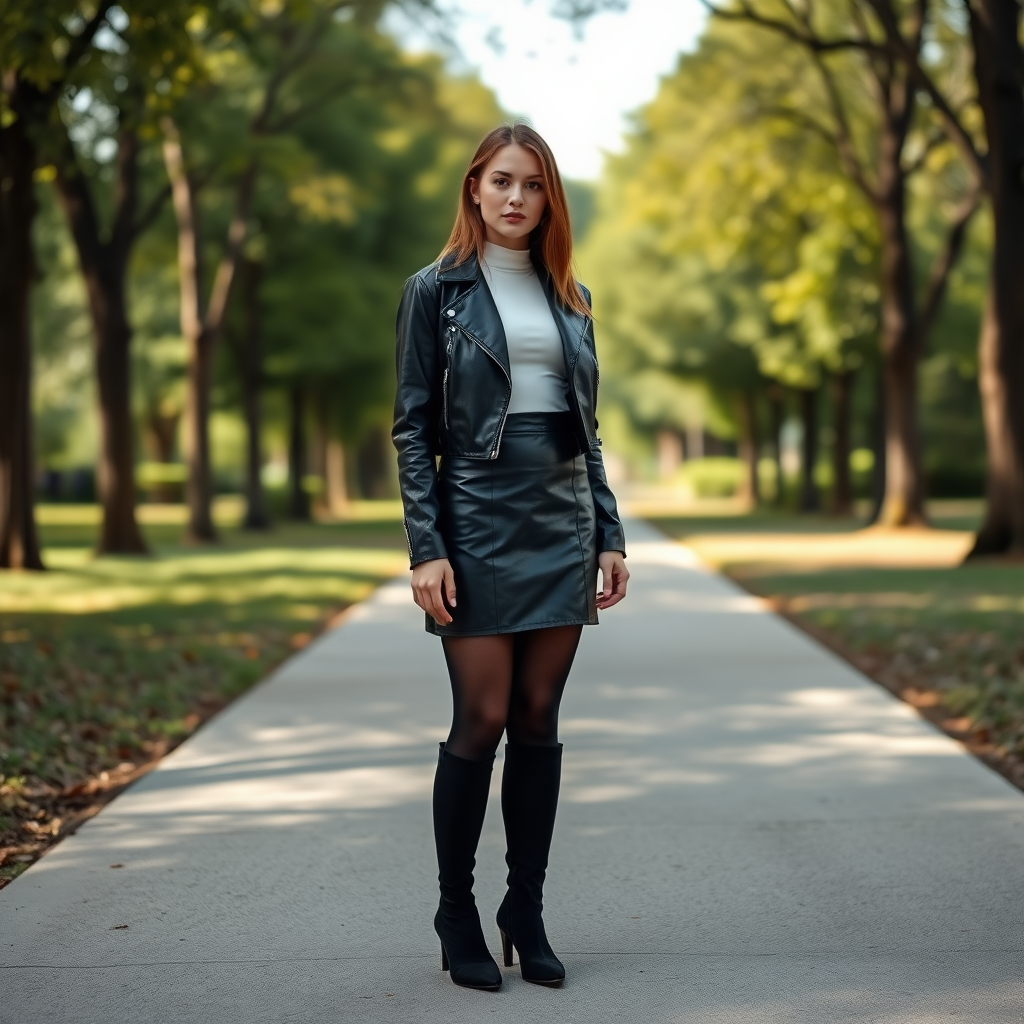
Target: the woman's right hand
(432, 582)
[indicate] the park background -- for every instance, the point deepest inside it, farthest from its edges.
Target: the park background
(805, 245)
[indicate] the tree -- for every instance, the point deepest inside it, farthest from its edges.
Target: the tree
(730, 248)
(884, 73)
(999, 71)
(258, 51)
(136, 53)
(43, 46)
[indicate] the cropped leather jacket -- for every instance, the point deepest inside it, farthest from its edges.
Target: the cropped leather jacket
(454, 389)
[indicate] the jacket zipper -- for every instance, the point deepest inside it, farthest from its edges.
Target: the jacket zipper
(504, 411)
(444, 382)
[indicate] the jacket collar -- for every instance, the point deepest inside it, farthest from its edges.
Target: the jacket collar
(475, 311)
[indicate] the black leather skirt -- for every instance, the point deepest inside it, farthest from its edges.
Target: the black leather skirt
(520, 531)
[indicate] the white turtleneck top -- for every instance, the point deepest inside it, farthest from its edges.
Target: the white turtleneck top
(534, 344)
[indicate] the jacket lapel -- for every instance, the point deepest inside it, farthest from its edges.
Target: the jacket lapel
(571, 326)
(473, 310)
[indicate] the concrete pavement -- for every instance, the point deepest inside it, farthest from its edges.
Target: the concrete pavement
(750, 831)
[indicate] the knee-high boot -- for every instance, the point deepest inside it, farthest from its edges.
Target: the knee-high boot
(529, 798)
(460, 799)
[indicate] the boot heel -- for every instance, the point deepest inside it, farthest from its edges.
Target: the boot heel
(444, 958)
(506, 948)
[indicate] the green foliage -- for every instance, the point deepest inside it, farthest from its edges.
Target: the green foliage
(730, 246)
(716, 477)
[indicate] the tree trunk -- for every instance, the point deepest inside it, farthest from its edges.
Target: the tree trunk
(995, 31)
(777, 413)
(842, 492)
(810, 501)
(199, 485)
(750, 490)
(1002, 530)
(903, 504)
(298, 499)
(120, 533)
(104, 265)
(878, 448)
(335, 481)
(162, 431)
(251, 373)
(201, 332)
(321, 433)
(19, 541)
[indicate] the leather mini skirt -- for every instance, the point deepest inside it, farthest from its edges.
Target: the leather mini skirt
(521, 532)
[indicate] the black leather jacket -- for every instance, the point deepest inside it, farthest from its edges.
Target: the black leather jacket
(455, 385)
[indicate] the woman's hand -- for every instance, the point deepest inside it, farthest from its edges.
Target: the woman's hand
(432, 582)
(614, 575)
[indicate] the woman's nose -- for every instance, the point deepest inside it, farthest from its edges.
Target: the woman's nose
(516, 197)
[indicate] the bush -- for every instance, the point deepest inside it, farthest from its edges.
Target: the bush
(718, 477)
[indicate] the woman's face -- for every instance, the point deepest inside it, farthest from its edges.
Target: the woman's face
(511, 196)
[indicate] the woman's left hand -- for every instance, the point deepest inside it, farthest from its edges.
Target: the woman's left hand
(614, 575)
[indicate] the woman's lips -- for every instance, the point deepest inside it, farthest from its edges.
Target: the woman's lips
(513, 217)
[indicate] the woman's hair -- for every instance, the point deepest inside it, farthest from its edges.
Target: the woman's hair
(551, 240)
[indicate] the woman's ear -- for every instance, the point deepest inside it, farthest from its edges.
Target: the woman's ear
(474, 191)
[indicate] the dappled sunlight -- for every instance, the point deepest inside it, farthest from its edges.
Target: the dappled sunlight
(807, 552)
(227, 577)
(297, 786)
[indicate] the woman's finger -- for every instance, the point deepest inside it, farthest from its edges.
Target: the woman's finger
(437, 608)
(448, 582)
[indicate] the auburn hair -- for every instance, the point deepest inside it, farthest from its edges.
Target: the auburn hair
(550, 241)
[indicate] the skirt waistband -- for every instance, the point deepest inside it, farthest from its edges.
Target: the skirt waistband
(539, 423)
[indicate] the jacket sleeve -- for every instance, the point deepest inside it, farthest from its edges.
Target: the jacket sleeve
(610, 535)
(418, 400)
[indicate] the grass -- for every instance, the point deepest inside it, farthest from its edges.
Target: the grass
(108, 663)
(945, 636)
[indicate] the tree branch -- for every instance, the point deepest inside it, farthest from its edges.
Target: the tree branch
(803, 120)
(945, 259)
(958, 134)
(153, 208)
(82, 42)
(934, 140)
(215, 310)
(844, 135)
(188, 235)
(746, 12)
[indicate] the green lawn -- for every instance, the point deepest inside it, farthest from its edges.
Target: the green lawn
(106, 663)
(948, 637)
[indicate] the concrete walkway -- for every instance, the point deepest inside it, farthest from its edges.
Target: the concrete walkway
(750, 832)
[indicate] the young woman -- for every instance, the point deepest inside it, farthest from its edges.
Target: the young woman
(497, 375)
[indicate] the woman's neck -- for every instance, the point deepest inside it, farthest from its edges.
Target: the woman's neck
(497, 257)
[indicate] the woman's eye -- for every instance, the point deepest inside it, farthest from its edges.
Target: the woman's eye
(500, 181)
(535, 185)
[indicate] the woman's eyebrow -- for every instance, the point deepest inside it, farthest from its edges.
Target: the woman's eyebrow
(509, 174)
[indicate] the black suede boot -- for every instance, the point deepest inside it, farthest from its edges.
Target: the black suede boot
(460, 799)
(529, 798)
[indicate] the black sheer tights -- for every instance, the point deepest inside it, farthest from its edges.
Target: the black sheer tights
(509, 681)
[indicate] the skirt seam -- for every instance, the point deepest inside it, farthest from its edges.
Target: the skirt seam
(494, 571)
(579, 538)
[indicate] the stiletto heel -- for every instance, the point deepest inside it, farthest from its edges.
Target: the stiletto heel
(506, 948)
(444, 958)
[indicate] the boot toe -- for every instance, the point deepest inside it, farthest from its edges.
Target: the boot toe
(542, 971)
(480, 975)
